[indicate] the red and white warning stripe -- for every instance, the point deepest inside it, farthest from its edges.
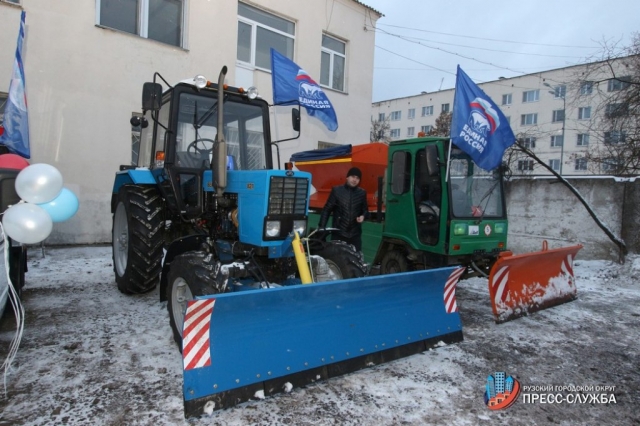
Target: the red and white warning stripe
(450, 304)
(499, 284)
(195, 337)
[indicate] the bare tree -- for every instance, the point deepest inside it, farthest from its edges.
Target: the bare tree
(613, 81)
(443, 125)
(380, 131)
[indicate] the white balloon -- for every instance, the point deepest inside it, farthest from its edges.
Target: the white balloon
(39, 183)
(27, 223)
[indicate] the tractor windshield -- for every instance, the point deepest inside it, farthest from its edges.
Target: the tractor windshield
(474, 191)
(197, 128)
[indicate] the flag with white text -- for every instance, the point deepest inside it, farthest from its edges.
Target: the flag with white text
(292, 84)
(478, 127)
(16, 118)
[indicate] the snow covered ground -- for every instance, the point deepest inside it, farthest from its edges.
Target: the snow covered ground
(91, 355)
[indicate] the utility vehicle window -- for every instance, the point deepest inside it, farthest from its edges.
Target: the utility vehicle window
(400, 172)
(197, 128)
(474, 191)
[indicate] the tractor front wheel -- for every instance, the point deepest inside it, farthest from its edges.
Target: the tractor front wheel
(343, 259)
(189, 276)
(137, 239)
(394, 262)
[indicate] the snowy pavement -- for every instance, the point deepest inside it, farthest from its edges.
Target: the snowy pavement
(91, 355)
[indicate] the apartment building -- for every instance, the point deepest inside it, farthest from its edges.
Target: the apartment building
(555, 113)
(86, 61)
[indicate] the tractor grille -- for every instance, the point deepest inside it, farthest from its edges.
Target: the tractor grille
(288, 195)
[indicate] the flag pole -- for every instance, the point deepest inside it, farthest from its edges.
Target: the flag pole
(446, 176)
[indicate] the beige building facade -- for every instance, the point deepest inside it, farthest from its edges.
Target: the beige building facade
(86, 61)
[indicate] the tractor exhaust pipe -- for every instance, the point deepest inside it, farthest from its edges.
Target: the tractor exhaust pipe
(221, 144)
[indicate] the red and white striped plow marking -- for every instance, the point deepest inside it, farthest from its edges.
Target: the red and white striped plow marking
(195, 335)
(567, 266)
(499, 285)
(450, 304)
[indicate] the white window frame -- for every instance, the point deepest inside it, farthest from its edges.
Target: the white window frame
(426, 129)
(530, 119)
(411, 113)
(427, 110)
(381, 116)
(254, 35)
(395, 115)
(446, 107)
(619, 83)
(332, 59)
(394, 133)
(530, 96)
(554, 163)
(582, 139)
(557, 141)
(411, 131)
(580, 164)
(559, 92)
(615, 137)
(584, 113)
(586, 88)
(557, 116)
(142, 26)
(525, 165)
(507, 99)
(529, 142)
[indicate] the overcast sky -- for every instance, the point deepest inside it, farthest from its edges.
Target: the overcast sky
(419, 43)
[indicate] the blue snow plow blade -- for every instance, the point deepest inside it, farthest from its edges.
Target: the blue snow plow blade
(245, 345)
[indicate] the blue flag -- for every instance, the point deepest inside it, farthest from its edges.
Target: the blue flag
(16, 119)
(478, 127)
(292, 84)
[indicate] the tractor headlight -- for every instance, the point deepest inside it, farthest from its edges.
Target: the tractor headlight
(272, 228)
(460, 229)
(300, 226)
(499, 228)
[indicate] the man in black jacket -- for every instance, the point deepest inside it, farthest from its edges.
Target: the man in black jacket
(348, 203)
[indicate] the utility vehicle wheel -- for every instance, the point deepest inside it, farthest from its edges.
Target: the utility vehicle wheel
(343, 259)
(394, 262)
(137, 239)
(189, 276)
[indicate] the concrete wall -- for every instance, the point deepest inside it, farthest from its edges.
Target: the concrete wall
(85, 81)
(544, 209)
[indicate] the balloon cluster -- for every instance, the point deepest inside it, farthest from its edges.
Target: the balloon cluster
(44, 200)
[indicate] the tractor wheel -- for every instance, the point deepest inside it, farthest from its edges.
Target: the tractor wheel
(394, 262)
(137, 239)
(343, 259)
(189, 276)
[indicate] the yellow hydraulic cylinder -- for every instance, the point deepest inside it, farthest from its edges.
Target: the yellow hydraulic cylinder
(301, 260)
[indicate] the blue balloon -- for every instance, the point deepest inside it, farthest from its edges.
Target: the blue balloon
(63, 207)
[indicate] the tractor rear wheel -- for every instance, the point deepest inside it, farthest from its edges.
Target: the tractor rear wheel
(394, 262)
(343, 259)
(189, 276)
(137, 239)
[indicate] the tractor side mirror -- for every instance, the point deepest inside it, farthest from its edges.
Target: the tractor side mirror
(295, 119)
(151, 96)
(432, 160)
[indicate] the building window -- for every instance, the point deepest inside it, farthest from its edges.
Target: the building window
(160, 20)
(396, 115)
(555, 164)
(584, 113)
(381, 116)
(559, 92)
(618, 83)
(426, 129)
(395, 133)
(531, 96)
(445, 107)
(580, 164)
(332, 61)
(506, 99)
(609, 165)
(558, 115)
(583, 139)
(616, 110)
(411, 113)
(556, 141)
(528, 119)
(258, 32)
(411, 131)
(615, 137)
(525, 165)
(529, 143)
(428, 110)
(586, 88)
